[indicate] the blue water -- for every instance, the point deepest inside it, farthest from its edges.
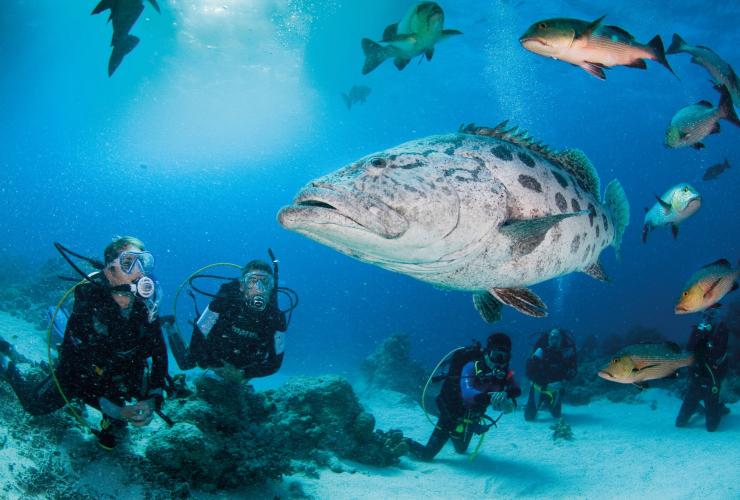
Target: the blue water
(226, 108)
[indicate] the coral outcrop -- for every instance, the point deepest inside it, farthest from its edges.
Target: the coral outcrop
(391, 367)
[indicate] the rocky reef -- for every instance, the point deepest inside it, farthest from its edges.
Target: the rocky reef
(391, 367)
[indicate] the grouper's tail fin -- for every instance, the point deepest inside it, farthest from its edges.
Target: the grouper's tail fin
(375, 54)
(616, 201)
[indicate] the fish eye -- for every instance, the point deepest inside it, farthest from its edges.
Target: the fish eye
(615, 361)
(377, 162)
(685, 189)
(685, 294)
(542, 26)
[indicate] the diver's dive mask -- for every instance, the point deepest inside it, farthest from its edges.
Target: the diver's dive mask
(497, 361)
(129, 260)
(705, 326)
(257, 287)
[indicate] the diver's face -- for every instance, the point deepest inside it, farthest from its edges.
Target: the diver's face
(554, 339)
(497, 361)
(116, 275)
(257, 287)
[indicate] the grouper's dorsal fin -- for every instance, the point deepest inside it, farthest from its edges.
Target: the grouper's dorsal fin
(577, 163)
(572, 160)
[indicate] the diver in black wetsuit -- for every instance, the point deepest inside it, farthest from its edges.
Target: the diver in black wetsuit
(111, 333)
(480, 380)
(708, 343)
(553, 361)
(242, 326)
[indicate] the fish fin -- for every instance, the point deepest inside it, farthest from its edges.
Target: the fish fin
(726, 107)
(645, 232)
(487, 306)
(120, 49)
(590, 28)
(447, 33)
(594, 69)
(719, 262)
(705, 104)
(711, 288)
(390, 32)
(103, 5)
(616, 201)
(735, 286)
(596, 271)
(429, 53)
(637, 63)
(715, 306)
(666, 206)
(620, 31)
(637, 370)
(347, 100)
(698, 145)
(674, 231)
(641, 385)
(523, 300)
(657, 45)
(577, 163)
(400, 62)
(155, 5)
(526, 234)
(677, 45)
(375, 54)
(715, 129)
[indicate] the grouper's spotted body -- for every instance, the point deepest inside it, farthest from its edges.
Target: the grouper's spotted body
(484, 210)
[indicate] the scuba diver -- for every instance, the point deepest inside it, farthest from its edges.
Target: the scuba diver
(111, 334)
(553, 361)
(708, 343)
(242, 326)
(476, 378)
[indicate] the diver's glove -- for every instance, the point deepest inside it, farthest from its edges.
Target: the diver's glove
(500, 401)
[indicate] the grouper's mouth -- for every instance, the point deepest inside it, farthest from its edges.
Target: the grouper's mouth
(321, 211)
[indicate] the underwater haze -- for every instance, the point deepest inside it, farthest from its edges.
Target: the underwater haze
(226, 108)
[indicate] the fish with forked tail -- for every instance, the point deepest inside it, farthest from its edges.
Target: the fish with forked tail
(715, 170)
(485, 210)
(707, 287)
(592, 46)
(691, 124)
(123, 15)
(675, 206)
(417, 33)
(638, 363)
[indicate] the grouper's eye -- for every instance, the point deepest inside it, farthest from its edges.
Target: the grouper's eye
(377, 162)
(685, 189)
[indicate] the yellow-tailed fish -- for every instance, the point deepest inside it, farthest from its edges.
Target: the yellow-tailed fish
(707, 287)
(591, 46)
(638, 363)
(675, 206)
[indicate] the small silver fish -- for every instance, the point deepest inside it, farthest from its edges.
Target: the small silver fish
(675, 206)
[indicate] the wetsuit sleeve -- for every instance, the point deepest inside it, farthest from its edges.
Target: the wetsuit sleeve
(80, 338)
(467, 387)
(158, 353)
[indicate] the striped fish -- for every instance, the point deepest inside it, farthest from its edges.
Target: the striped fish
(638, 363)
(591, 46)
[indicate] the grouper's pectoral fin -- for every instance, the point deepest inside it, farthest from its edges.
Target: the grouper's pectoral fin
(487, 306)
(523, 300)
(527, 234)
(596, 271)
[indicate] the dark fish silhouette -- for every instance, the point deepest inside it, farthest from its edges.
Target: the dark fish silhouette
(123, 14)
(715, 170)
(358, 93)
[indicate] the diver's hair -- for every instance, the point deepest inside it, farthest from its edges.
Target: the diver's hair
(116, 246)
(498, 340)
(257, 265)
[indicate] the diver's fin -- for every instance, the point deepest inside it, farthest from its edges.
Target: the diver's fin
(429, 53)
(528, 233)
(637, 63)
(155, 5)
(666, 206)
(523, 300)
(400, 62)
(389, 33)
(596, 271)
(487, 306)
(674, 231)
(697, 146)
(120, 49)
(594, 69)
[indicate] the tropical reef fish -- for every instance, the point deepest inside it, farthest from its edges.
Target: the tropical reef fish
(638, 363)
(484, 210)
(721, 72)
(715, 170)
(123, 14)
(417, 33)
(591, 46)
(675, 206)
(693, 123)
(707, 287)
(358, 93)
